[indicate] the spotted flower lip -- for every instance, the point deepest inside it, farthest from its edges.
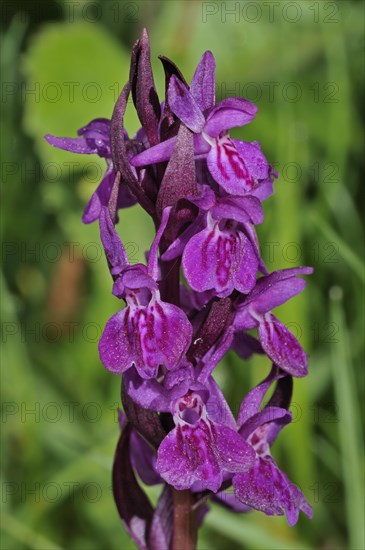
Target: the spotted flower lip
(220, 258)
(199, 451)
(147, 333)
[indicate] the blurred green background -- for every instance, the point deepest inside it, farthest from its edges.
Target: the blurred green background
(63, 63)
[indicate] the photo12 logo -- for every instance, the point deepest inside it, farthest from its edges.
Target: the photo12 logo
(271, 11)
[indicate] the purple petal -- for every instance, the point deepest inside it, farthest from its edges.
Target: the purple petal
(135, 278)
(74, 145)
(95, 139)
(250, 232)
(221, 260)
(172, 334)
(148, 394)
(234, 454)
(268, 416)
(215, 354)
(100, 125)
(252, 402)
(240, 209)
(217, 407)
(228, 168)
(125, 197)
(228, 113)
(267, 489)
(146, 337)
(159, 153)
(202, 86)
(264, 190)
(113, 247)
(186, 456)
(146, 422)
(151, 394)
(143, 460)
(282, 347)
(268, 432)
(99, 198)
(205, 198)
(200, 262)
(277, 294)
(163, 151)
(175, 380)
(116, 346)
(184, 105)
(177, 247)
(247, 266)
(97, 133)
(244, 320)
(254, 158)
(153, 270)
(280, 275)
(275, 289)
(201, 147)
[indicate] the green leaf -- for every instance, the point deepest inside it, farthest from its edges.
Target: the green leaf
(74, 74)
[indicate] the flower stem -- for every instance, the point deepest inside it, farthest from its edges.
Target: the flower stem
(185, 527)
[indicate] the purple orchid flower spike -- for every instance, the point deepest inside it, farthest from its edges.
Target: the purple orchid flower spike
(148, 333)
(201, 448)
(95, 139)
(203, 191)
(264, 486)
(255, 312)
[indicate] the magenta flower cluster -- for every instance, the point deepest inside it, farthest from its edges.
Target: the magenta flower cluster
(204, 191)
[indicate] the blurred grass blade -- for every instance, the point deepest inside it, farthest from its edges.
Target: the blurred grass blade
(349, 424)
(25, 535)
(328, 454)
(242, 530)
(346, 252)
